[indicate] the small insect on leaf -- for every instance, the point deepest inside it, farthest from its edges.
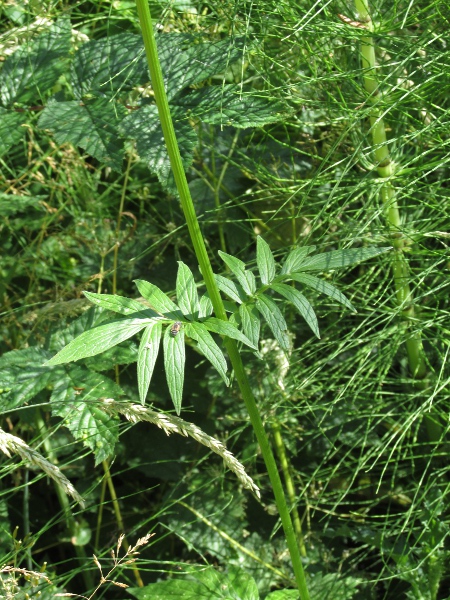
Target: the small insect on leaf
(175, 328)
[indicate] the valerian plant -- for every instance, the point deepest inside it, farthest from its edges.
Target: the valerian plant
(193, 315)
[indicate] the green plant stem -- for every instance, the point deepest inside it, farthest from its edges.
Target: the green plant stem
(71, 522)
(207, 273)
(290, 489)
(386, 170)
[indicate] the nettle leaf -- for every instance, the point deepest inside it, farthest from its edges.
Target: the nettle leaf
(323, 287)
(82, 417)
(227, 105)
(36, 65)
(93, 126)
(148, 353)
(11, 130)
(121, 305)
(227, 329)
(296, 258)
(185, 62)
(207, 584)
(339, 258)
(174, 362)
(144, 126)
(237, 267)
(22, 377)
(230, 288)
(274, 319)
(97, 340)
(265, 261)
(158, 299)
(187, 295)
(251, 323)
(109, 65)
(208, 347)
(300, 303)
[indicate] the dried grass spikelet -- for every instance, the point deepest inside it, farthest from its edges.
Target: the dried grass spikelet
(13, 444)
(170, 424)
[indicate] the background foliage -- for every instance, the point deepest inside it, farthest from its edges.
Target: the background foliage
(273, 122)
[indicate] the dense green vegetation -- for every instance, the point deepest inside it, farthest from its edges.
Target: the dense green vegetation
(314, 141)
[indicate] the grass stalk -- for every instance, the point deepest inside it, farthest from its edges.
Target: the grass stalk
(207, 273)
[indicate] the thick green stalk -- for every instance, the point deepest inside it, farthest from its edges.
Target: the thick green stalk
(386, 170)
(208, 276)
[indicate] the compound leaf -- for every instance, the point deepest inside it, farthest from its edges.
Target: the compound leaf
(323, 287)
(187, 295)
(339, 258)
(148, 353)
(300, 303)
(274, 319)
(158, 299)
(265, 261)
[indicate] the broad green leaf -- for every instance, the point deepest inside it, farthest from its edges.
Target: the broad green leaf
(36, 65)
(11, 130)
(109, 65)
(251, 323)
(187, 295)
(206, 307)
(158, 299)
(274, 319)
(323, 287)
(331, 586)
(144, 126)
(97, 340)
(265, 261)
(226, 105)
(185, 62)
(300, 303)
(85, 420)
(121, 304)
(237, 267)
(22, 376)
(148, 353)
(174, 361)
(208, 347)
(230, 288)
(93, 126)
(227, 329)
(295, 259)
(208, 584)
(339, 258)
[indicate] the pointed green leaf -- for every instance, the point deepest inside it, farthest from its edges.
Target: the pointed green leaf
(237, 267)
(274, 319)
(251, 323)
(226, 328)
(158, 299)
(85, 420)
(93, 126)
(340, 258)
(265, 261)
(206, 307)
(144, 126)
(148, 352)
(208, 347)
(295, 259)
(230, 288)
(187, 295)
(174, 361)
(300, 303)
(36, 65)
(11, 131)
(97, 340)
(122, 305)
(226, 105)
(323, 287)
(109, 65)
